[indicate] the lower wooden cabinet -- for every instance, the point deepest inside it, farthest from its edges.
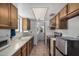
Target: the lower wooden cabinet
(18, 53)
(30, 45)
(28, 50)
(25, 50)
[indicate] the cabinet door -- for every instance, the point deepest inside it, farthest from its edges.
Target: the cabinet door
(30, 45)
(28, 50)
(63, 24)
(54, 21)
(4, 15)
(18, 53)
(24, 50)
(63, 12)
(57, 21)
(14, 16)
(24, 24)
(28, 24)
(73, 7)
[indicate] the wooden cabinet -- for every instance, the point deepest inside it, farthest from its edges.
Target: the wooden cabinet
(28, 24)
(14, 16)
(30, 44)
(63, 12)
(72, 7)
(63, 24)
(8, 15)
(24, 24)
(57, 22)
(4, 15)
(24, 50)
(18, 53)
(28, 50)
(53, 23)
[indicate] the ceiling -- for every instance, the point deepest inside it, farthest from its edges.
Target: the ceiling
(39, 12)
(25, 9)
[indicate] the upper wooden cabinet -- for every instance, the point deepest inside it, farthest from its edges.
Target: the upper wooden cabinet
(57, 21)
(14, 16)
(28, 24)
(8, 15)
(4, 15)
(63, 12)
(72, 7)
(24, 24)
(69, 11)
(53, 23)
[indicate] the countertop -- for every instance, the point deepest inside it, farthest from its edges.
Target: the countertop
(53, 38)
(69, 38)
(15, 45)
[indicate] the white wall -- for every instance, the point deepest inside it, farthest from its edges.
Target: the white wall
(73, 28)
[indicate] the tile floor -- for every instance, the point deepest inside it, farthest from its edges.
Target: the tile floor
(40, 50)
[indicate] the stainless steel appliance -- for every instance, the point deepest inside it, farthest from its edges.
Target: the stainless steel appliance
(61, 46)
(4, 42)
(67, 46)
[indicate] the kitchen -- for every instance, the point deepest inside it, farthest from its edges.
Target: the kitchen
(24, 25)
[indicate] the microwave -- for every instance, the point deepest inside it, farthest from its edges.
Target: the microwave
(4, 42)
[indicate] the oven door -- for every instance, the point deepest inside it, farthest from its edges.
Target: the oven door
(61, 45)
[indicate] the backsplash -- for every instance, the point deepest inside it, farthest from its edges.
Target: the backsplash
(4, 33)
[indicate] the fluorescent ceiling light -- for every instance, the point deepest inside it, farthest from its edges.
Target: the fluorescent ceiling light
(39, 13)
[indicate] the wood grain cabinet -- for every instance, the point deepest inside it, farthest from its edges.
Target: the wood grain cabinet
(63, 12)
(57, 22)
(53, 23)
(69, 11)
(4, 15)
(18, 53)
(24, 24)
(8, 15)
(13, 16)
(63, 24)
(28, 50)
(73, 7)
(30, 45)
(24, 50)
